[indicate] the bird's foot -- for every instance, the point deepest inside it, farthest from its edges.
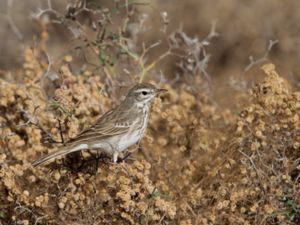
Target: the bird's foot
(141, 148)
(124, 158)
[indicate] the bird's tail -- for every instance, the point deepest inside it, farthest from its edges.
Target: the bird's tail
(64, 150)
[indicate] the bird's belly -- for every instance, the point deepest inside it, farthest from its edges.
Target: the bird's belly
(129, 140)
(105, 146)
(119, 143)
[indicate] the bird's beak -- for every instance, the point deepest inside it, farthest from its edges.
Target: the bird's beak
(158, 91)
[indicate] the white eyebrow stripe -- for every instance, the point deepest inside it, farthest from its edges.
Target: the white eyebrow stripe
(144, 89)
(141, 90)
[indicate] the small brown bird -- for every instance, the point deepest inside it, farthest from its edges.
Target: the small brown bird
(117, 129)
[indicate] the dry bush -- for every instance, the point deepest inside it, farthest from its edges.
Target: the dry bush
(116, 193)
(244, 171)
(202, 163)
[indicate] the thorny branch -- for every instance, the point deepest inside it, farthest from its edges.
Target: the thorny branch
(33, 120)
(194, 58)
(25, 209)
(262, 59)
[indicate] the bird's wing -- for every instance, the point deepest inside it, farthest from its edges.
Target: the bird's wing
(106, 126)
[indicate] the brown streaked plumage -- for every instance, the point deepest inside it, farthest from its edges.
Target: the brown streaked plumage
(117, 129)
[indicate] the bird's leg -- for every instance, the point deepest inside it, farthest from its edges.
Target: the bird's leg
(142, 150)
(124, 158)
(140, 147)
(115, 156)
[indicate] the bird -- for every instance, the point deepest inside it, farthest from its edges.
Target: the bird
(116, 130)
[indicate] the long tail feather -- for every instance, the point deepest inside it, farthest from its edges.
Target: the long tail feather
(61, 152)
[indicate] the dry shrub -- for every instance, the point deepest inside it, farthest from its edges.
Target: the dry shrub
(122, 193)
(204, 166)
(255, 177)
(201, 164)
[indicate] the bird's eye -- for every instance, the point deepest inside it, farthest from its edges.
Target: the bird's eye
(144, 92)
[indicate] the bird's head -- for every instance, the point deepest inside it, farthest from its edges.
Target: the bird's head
(144, 92)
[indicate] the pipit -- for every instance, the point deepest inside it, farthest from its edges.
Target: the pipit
(116, 130)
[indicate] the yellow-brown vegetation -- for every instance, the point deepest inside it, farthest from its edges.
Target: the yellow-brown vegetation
(202, 165)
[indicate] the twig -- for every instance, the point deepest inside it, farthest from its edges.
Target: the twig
(37, 220)
(255, 168)
(11, 22)
(23, 208)
(194, 59)
(61, 132)
(30, 119)
(263, 58)
(164, 16)
(161, 219)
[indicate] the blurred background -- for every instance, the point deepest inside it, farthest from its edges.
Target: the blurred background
(244, 27)
(247, 34)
